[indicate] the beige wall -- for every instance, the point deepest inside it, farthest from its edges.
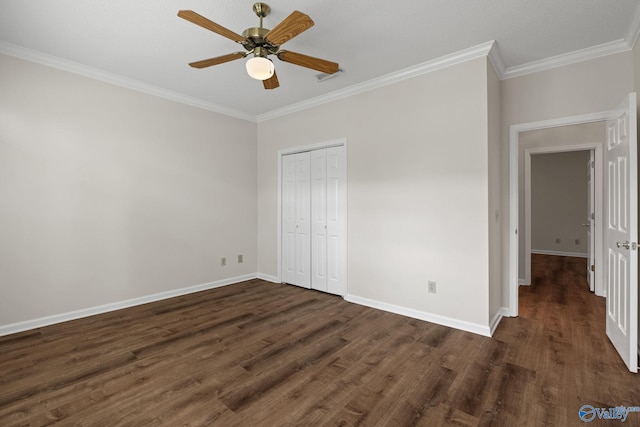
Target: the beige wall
(496, 216)
(559, 202)
(418, 191)
(581, 88)
(109, 194)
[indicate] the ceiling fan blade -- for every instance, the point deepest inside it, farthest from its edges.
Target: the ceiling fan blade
(217, 60)
(200, 20)
(308, 61)
(290, 27)
(272, 82)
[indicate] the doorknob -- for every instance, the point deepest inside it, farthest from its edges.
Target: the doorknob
(623, 245)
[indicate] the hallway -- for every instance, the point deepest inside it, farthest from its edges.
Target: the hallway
(561, 327)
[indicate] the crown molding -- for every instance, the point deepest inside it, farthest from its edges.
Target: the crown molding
(593, 52)
(93, 73)
(496, 60)
(489, 49)
(404, 74)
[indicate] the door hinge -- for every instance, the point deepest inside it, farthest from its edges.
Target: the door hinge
(634, 246)
(593, 267)
(593, 165)
(593, 216)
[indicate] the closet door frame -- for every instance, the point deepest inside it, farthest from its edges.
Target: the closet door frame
(300, 149)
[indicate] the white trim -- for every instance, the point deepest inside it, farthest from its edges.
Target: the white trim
(407, 73)
(92, 311)
(504, 311)
(586, 54)
(489, 49)
(521, 282)
(421, 315)
(318, 146)
(513, 281)
(559, 253)
(96, 74)
(268, 278)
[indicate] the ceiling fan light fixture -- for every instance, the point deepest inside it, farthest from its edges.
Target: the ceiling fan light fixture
(260, 68)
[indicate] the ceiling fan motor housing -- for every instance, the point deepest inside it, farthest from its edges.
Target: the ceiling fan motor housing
(254, 38)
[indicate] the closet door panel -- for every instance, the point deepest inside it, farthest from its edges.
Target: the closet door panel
(303, 220)
(319, 219)
(288, 218)
(336, 220)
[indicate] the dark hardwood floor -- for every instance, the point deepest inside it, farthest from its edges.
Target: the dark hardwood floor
(261, 354)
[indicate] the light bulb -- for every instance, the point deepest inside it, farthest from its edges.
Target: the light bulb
(260, 68)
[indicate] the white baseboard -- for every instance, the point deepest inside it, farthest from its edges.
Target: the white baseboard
(559, 253)
(86, 312)
(268, 278)
(504, 311)
(422, 315)
(404, 311)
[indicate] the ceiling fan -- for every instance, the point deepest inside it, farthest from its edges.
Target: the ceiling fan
(262, 42)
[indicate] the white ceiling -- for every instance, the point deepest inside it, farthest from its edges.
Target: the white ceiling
(144, 42)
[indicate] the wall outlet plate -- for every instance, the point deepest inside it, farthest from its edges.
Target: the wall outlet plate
(431, 287)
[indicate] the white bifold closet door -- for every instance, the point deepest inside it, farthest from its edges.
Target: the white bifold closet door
(314, 219)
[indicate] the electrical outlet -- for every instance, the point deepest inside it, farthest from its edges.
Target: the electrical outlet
(557, 240)
(240, 259)
(431, 287)
(223, 261)
(577, 241)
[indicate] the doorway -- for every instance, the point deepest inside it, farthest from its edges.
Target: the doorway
(560, 204)
(621, 235)
(565, 238)
(519, 258)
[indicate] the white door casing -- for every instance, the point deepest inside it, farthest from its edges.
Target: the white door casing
(515, 230)
(590, 221)
(621, 232)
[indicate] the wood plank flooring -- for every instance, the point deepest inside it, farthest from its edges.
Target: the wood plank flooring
(261, 354)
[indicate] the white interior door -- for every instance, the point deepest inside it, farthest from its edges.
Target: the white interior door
(288, 193)
(337, 220)
(319, 220)
(303, 220)
(621, 233)
(296, 219)
(590, 223)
